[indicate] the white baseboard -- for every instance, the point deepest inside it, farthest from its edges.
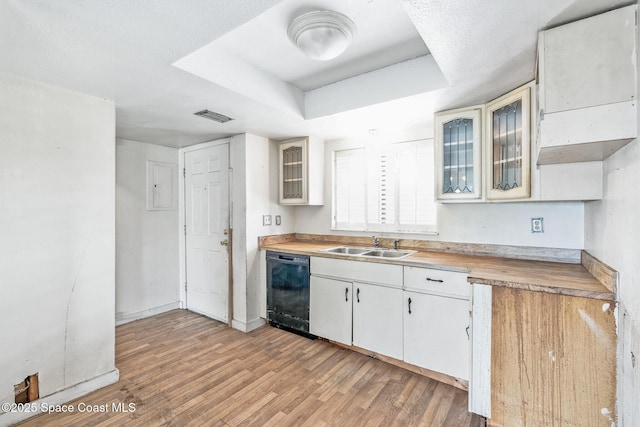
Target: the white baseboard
(121, 319)
(248, 326)
(62, 396)
(217, 319)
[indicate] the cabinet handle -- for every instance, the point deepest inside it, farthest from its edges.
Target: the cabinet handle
(435, 280)
(409, 301)
(346, 294)
(468, 336)
(358, 295)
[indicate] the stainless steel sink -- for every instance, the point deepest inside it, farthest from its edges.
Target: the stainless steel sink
(387, 253)
(368, 252)
(347, 250)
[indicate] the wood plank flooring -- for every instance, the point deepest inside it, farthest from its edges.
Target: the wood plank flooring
(183, 369)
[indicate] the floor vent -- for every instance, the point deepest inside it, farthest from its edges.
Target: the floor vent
(216, 117)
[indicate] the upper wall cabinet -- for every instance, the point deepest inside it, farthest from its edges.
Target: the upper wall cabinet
(508, 158)
(587, 93)
(458, 154)
(301, 174)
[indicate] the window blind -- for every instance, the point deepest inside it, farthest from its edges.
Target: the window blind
(349, 194)
(387, 188)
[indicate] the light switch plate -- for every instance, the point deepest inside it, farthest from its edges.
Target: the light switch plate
(266, 219)
(278, 220)
(537, 225)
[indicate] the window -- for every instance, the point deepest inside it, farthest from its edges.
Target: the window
(388, 188)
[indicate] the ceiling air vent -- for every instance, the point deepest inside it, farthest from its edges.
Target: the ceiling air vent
(216, 117)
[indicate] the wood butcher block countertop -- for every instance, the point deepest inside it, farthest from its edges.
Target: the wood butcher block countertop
(541, 276)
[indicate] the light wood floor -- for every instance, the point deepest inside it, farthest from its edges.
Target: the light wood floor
(182, 369)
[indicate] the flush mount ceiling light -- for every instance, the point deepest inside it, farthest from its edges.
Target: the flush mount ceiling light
(322, 34)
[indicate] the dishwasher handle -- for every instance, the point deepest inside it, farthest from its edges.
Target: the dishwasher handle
(288, 258)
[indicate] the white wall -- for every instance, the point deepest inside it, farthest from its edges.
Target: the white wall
(57, 222)
(612, 234)
(254, 161)
(488, 223)
(262, 199)
(147, 254)
(257, 192)
(612, 226)
(237, 159)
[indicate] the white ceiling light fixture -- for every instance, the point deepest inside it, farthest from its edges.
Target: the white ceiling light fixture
(322, 34)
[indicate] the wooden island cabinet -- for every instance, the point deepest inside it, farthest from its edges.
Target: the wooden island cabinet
(552, 358)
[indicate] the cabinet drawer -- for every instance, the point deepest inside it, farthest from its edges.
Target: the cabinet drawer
(367, 272)
(440, 282)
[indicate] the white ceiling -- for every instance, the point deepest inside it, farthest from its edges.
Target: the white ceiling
(385, 35)
(241, 64)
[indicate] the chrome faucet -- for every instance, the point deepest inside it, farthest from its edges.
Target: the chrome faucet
(376, 242)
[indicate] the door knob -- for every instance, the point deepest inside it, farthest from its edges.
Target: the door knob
(224, 242)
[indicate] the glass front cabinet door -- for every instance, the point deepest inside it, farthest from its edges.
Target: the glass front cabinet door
(458, 154)
(301, 171)
(508, 158)
(293, 172)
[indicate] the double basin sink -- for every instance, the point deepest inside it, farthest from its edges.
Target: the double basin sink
(368, 252)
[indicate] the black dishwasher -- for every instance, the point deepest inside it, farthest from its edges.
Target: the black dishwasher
(288, 291)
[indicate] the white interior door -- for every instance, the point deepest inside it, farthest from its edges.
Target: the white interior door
(207, 219)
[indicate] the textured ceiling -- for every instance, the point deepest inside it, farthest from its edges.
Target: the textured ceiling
(124, 50)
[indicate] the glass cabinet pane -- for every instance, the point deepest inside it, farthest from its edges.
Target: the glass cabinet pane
(508, 144)
(292, 173)
(458, 154)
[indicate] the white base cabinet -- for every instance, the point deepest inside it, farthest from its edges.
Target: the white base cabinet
(436, 332)
(367, 305)
(377, 319)
(437, 328)
(330, 312)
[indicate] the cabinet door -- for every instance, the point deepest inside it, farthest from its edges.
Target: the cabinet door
(580, 67)
(508, 160)
(377, 319)
(293, 163)
(458, 154)
(330, 309)
(436, 334)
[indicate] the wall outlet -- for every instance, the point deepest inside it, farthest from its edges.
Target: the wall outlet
(266, 219)
(278, 220)
(537, 225)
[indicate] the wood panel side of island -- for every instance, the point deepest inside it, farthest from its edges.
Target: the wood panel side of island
(553, 360)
